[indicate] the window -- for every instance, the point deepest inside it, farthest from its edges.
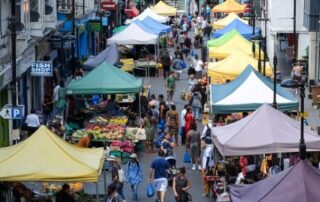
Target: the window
(65, 6)
(34, 11)
(48, 9)
(22, 15)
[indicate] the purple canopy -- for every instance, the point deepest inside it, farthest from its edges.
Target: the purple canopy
(300, 182)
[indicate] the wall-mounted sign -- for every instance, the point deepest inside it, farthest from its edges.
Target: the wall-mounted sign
(41, 68)
(94, 26)
(108, 6)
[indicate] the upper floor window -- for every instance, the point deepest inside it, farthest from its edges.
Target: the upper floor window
(34, 11)
(64, 6)
(22, 14)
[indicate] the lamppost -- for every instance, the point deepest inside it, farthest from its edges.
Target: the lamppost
(275, 63)
(265, 20)
(293, 83)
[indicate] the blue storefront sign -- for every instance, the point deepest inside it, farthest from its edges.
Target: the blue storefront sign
(41, 68)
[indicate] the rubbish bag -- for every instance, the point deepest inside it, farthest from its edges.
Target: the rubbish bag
(186, 157)
(150, 190)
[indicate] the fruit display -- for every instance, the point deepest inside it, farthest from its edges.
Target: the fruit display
(119, 120)
(74, 187)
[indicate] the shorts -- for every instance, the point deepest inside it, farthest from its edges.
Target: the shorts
(161, 184)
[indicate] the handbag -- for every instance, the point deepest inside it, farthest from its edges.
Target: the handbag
(186, 157)
(203, 144)
(150, 190)
(185, 196)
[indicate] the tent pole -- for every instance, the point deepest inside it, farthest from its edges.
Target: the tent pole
(104, 182)
(140, 121)
(97, 192)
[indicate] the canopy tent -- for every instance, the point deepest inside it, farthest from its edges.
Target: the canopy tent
(156, 25)
(219, 24)
(118, 29)
(110, 55)
(266, 130)
(164, 9)
(232, 66)
(299, 182)
(223, 39)
(247, 92)
(244, 29)
(105, 79)
(229, 6)
(150, 13)
(146, 27)
(46, 157)
(133, 35)
(231, 45)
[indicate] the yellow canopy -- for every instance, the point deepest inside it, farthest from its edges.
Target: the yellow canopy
(226, 20)
(46, 157)
(232, 66)
(164, 9)
(236, 42)
(229, 6)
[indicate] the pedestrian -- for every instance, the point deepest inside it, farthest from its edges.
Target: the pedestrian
(187, 47)
(158, 174)
(180, 186)
(172, 121)
(196, 103)
(117, 176)
(150, 126)
(178, 53)
(181, 39)
(189, 119)
(32, 122)
(153, 101)
(171, 86)
(112, 195)
(61, 104)
(193, 145)
(163, 109)
(166, 62)
(133, 175)
(85, 141)
(192, 82)
(167, 145)
(182, 124)
(65, 195)
(207, 31)
(198, 66)
(47, 107)
(178, 65)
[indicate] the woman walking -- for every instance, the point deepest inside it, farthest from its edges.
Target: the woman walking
(173, 122)
(150, 126)
(196, 103)
(193, 144)
(189, 119)
(133, 175)
(180, 186)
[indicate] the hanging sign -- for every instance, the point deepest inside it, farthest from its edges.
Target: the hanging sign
(94, 26)
(41, 68)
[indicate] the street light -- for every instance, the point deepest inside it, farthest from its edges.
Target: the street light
(265, 20)
(275, 63)
(293, 83)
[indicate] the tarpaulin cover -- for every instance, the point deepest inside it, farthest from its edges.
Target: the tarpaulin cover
(146, 27)
(156, 25)
(219, 24)
(164, 9)
(133, 35)
(232, 66)
(230, 46)
(299, 182)
(105, 79)
(266, 130)
(244, 29)
(110, 55)
(248, 92)
(150, 13)
(229, 6)
(46, 157)
(223, 39)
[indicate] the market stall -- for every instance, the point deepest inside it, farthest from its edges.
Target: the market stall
(248, 92)
(164, 9)
(150, 13)
(156, 25)
(243, 28)
(229, 6)
(232, 66)
(221, 23)
(223, 39)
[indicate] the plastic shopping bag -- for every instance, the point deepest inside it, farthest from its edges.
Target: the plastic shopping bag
(186, 157)
(150, 190)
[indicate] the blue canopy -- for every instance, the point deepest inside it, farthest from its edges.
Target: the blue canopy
(156, 25)
(248, 92)
(244, 29)
(146, 27)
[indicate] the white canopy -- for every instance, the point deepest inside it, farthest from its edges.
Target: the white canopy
(133, 35)
(148, 12)
(266, 130)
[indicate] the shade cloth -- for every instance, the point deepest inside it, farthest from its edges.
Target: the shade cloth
(46, 157)
(232, 66)
(105, 79)
(266, 130)
(248, 92)
(244, 29)
(219, 24)
(110, 55)
(150, 13)
(297, 183)
(229, 6)
(230, 46)
(164, 9)
(133, 35)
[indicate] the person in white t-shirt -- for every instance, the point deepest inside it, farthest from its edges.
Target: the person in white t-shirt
(198, 64)
(182, 124)
(32, 122)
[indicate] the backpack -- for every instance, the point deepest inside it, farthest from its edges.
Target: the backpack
(207, 137)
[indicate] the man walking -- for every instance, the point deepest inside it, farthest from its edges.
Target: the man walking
(171, 86)
(158, 169)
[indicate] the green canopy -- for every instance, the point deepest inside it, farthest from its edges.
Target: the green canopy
(118, 29)
(223, 39)
(105, 79)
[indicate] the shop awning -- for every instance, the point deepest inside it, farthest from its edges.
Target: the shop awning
(105, 79)
(248, 92)
(164, 9)
(219, 24)
(232, 66)
(46, 157)
(150, 13)
(229, 6)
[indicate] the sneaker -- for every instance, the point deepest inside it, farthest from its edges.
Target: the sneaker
(199, 167)
(193, 167)
(205, 194)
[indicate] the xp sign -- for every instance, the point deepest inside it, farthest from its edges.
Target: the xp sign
(41, 68)
(12, 112)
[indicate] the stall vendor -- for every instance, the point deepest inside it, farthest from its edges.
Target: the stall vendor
(112, 106)
(85, 141)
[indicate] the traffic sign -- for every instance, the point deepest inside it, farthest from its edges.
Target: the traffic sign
(12, 112)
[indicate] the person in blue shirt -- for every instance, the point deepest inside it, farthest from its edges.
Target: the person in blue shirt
(158, 169)
(133, 175)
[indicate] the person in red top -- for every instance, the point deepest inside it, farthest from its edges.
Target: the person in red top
(189, 119)
(243, 164)
(85, 141)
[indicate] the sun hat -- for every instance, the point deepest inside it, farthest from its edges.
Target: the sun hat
(133, 156)
(112, 158)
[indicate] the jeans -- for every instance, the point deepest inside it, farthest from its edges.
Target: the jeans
(120, 192)
(196, 112)
(134, 188)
